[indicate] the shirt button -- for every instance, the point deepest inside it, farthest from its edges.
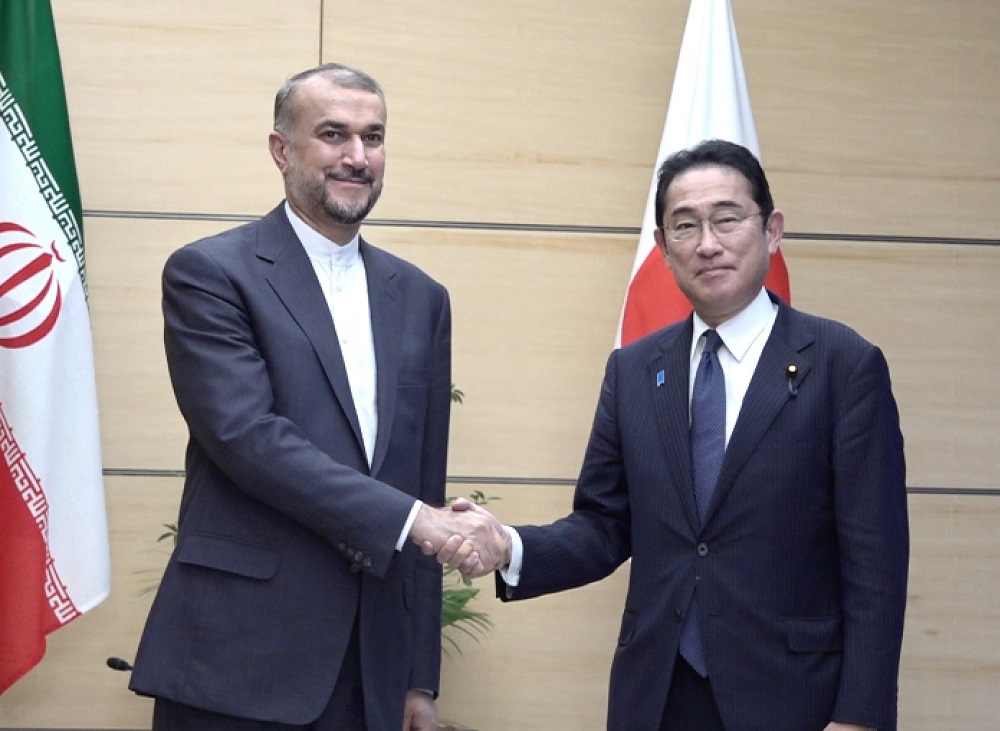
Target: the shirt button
(703, 549)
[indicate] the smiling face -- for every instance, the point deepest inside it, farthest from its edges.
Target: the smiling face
(332, 155)
(720, 275)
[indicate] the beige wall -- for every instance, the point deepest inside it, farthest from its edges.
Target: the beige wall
(877, 124)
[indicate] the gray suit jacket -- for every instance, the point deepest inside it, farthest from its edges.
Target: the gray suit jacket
(801, 565)
(285, 535)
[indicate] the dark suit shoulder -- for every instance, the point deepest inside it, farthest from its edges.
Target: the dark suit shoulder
(243, 236)
(393, 264)
(827, 333)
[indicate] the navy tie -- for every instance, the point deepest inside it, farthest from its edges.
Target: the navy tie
(708, 446)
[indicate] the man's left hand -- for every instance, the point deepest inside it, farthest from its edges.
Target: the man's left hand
(420, 713)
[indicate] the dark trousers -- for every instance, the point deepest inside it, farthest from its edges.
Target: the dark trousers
(690, 703)
(344, 712)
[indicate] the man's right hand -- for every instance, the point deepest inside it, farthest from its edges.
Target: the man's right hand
(465, 537)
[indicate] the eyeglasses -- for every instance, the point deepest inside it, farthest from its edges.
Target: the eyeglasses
(721, 224)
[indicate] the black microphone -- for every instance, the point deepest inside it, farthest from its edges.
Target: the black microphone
(116, 663)
(792, 371)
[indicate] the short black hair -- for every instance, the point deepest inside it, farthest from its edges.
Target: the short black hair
(715, 152)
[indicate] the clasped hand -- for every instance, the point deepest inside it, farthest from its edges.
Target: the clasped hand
(463, 536)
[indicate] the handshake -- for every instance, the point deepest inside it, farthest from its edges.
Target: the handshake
(463, 536)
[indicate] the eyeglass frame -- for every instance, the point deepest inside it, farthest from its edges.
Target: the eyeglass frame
(698, 232)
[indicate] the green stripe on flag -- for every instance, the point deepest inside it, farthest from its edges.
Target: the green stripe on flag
(29, 62)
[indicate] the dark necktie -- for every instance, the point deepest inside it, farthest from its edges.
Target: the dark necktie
(708, 446)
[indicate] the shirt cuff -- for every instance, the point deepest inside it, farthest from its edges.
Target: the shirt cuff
(409, 524)
(512, 574)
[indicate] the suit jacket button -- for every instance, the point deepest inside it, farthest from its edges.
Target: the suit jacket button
(358, 556)
(678, 615)
(368, 563)
(702, 549)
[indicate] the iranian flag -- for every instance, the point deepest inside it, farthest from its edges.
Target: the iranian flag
(709, 100)
(54, 562)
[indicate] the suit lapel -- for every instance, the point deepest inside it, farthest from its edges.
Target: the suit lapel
(668, 376)
(294, 281)
(769, 390)
(386, 303)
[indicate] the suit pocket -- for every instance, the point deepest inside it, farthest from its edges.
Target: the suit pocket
(223, 554)
(627, 629)
(815, 634)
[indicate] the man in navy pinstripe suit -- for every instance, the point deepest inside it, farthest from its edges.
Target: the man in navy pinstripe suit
(796, 568)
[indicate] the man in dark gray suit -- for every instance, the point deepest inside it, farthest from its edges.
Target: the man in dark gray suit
(314, 373)
(768, 583)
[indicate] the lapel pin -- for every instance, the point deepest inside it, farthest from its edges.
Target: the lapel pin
(792, 371)
(661, 378)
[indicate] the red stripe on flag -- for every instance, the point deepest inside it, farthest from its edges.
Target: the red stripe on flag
(25, 616)
(653, 299)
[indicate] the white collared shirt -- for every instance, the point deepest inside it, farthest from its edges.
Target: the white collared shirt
(341, 274)
(743, 339)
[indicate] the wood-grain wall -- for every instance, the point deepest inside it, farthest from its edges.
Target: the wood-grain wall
(521, 142)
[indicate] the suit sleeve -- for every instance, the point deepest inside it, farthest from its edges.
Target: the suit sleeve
(595, 539)
(873, 534)
(224, 391)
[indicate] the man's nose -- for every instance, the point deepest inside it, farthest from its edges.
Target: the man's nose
(354, 152)
(708, 241)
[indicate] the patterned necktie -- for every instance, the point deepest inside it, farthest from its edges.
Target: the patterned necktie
(708, 423)
(708, 446)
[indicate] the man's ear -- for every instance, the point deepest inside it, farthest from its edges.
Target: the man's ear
(278, 146)
(775, 229)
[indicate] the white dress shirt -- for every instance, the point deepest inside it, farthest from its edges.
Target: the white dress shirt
(342, 276)
(341, 273)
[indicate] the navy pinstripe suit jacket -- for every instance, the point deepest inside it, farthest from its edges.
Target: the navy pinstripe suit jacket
(801, 565)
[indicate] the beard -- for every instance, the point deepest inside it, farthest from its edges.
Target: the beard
(316, 201)
(348, 214)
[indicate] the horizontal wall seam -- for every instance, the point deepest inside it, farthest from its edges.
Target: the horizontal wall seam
(546, 481)
(538, 227)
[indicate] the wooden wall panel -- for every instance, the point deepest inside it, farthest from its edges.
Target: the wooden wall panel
(534, 320)
(951, 647)
(518, 111)
(878, 117)
(532, 380)
(868, 113)
(140, 424)
(171, 103)
(930, 308)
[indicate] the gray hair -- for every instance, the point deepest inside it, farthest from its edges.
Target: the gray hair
(336, 73)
